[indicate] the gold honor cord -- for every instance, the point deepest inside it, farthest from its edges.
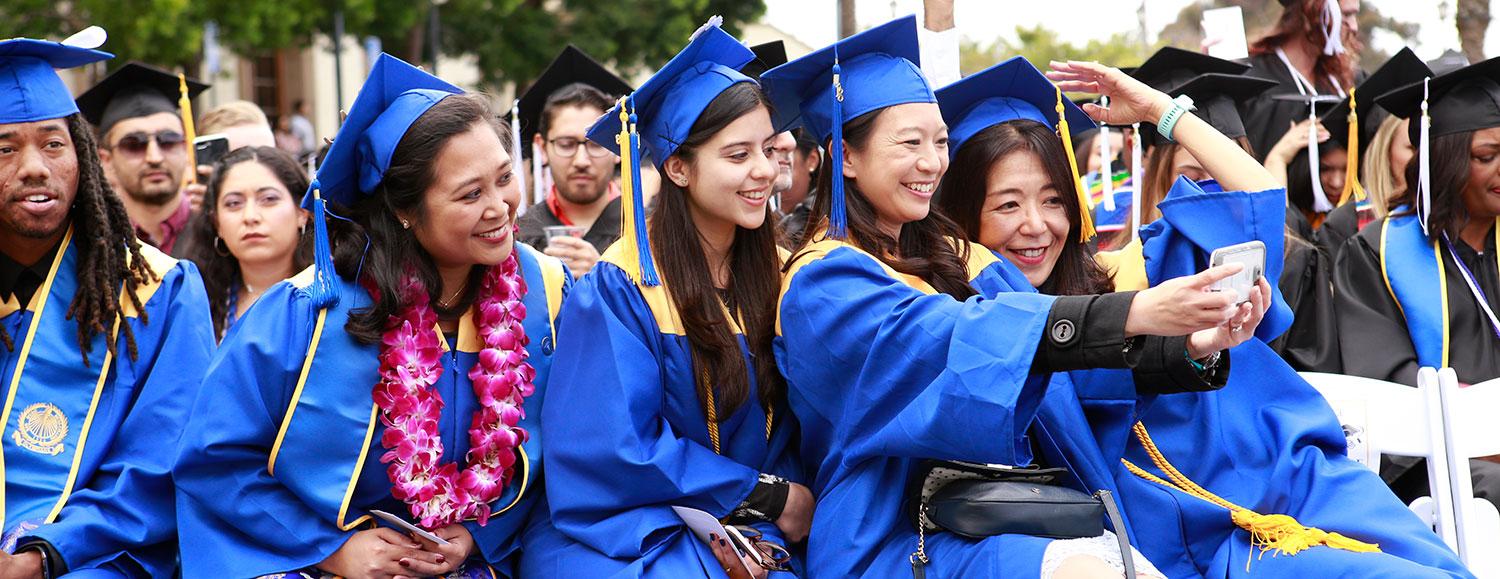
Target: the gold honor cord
(1279, 532)
(713, 414)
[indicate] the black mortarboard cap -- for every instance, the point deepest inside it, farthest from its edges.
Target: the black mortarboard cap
(571, 66)
(135, 90)
(1402, 69)
(767, 56)
(1467, 99)
(1171, 67)
(1217, 96)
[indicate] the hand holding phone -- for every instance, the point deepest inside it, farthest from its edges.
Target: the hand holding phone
(1252, 254)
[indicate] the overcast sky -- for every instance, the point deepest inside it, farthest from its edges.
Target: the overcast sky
(813, 21)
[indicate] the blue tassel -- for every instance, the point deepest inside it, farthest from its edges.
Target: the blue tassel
(837, 215)
(324, 291)
(642, 238)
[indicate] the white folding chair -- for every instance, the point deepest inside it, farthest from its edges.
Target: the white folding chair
(1385, 418)
(1471, 431)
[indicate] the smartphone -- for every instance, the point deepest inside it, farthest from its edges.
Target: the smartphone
(208, 149)
(1253, 255)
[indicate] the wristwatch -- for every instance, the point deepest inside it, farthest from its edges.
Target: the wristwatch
(1180, 106)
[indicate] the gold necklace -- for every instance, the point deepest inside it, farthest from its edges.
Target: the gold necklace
(447, 303)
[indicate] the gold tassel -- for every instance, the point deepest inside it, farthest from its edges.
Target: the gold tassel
(1352, 186)
(1086, 228)
(627, 206)
(186, 104)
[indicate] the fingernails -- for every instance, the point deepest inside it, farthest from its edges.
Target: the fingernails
(723, 543)
(405, 563)
(441, 559)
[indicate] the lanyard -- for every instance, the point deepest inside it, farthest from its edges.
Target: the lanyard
(1474, 288)
(1304, 86)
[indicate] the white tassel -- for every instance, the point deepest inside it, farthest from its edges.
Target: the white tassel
(1104, 162)
(714, 21)
(1137, 181)
(1321, 204)
(516, 161)
(1333, 27)
(1424, 167)
(538, 178)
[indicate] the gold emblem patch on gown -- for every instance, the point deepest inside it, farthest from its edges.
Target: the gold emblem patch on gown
(42, 428)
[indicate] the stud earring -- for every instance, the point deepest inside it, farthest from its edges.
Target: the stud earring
(405, 224)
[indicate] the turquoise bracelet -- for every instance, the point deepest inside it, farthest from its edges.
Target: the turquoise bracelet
(1169, 120)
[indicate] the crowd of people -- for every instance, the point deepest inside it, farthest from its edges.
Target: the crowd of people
(831, 305)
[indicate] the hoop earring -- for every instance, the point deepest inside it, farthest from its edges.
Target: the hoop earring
(218, 242)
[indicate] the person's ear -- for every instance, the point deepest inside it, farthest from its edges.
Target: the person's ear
(539, 147)
(677, 171)
(849, 162)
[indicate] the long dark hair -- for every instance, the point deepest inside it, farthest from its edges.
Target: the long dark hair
(1304, 18)
(109, 255)
(926, 247)
(962, 195)
(221, 271)
(373, 239)
(754, 280)
(1449, 156)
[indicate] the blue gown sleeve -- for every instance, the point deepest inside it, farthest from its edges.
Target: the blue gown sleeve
(238, 516)
(896, 372)
(125, 510)
(615, 465)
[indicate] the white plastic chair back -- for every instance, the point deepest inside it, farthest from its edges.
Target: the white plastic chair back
(1385, 418)
(1472, 431)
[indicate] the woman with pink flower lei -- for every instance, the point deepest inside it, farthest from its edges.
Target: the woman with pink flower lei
(401, 374)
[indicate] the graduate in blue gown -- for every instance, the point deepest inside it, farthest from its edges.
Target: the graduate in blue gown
(665, 393)
(315, 414)
(895, 352)
(103, 343)
(1250, 465)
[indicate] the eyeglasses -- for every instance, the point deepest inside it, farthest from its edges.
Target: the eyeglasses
(567, 147)
(770, 555)
(137, 143)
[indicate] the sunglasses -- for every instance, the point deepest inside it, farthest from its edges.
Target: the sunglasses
(769, 555)
(137, 143)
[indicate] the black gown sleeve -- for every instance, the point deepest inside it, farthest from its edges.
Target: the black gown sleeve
(1088, 332)
(1342, 223)
(1312, 343)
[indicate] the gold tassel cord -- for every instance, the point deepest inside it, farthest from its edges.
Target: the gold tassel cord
(713, 413)
(627, 191)
(1086, 228)
(1352, 186)
(1280, 533)
(186, 104)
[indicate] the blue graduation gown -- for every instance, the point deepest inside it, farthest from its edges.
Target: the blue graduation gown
(1267, 441)
(628, 439)
(277, 472)
(88, 449)
(884, 371)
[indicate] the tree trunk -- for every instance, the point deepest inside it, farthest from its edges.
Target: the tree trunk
(937, 14)
(847, 27)
(1473, 20)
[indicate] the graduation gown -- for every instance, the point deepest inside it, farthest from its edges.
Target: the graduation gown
(1399, 308)
(88, 449)
(883, 371)
(628, 439)
(1311, 344)
(281, 460)
(1267, 442)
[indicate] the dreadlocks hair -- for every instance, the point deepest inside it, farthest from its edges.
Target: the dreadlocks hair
(109, 255)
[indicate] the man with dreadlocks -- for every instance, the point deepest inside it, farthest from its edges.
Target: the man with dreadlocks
(103, 342)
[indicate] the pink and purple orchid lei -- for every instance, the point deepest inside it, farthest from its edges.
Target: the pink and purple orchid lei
(411, 353)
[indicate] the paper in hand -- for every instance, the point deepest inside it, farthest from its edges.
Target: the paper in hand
(703, 525)
(400, 523)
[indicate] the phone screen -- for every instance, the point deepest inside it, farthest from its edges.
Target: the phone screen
(208, 149)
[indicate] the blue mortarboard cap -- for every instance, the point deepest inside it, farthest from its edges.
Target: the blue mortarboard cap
(869, 71)
(668, 104)
(30, 89)
(662, 111)
(394, 95)
(1011, 90)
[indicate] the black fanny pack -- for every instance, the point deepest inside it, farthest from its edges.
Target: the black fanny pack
(978, 500)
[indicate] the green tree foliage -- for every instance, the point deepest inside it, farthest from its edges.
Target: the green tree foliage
(1261, 17)
(1041, 45)
(513, 40)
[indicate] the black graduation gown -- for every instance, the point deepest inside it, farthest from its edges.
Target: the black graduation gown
(1312, 343)
(1342, 223)
(1267, 119)
(1372, 329)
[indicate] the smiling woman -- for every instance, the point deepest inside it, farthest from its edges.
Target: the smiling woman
(252, 234)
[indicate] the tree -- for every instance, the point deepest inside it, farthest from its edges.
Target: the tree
(1473, 20)
(1261, 17)
(1041, 45)
(164, 32)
